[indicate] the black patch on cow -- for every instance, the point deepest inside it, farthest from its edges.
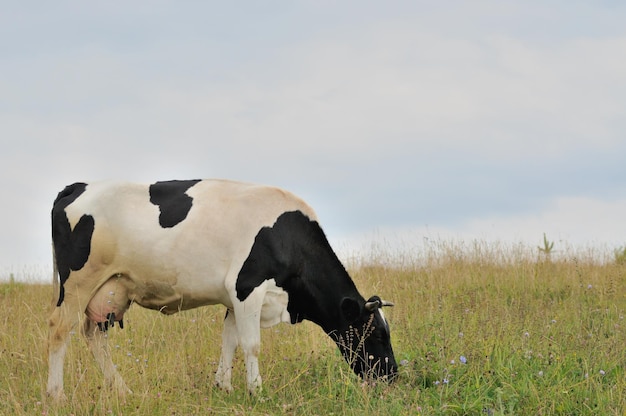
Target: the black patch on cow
(71, 247)
(296, 254)
(174, 204)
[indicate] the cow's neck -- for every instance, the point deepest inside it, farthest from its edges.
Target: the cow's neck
(296, 254)
(316, 294)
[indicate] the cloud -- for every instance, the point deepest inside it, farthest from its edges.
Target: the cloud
(382, 116)
(575, 224)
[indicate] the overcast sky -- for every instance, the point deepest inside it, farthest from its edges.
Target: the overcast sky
(495, 120)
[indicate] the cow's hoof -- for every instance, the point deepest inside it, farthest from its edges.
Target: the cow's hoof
(56, 396)
(254, 389)
(224, 387)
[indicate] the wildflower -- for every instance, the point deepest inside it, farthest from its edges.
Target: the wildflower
(526, 334)
(460, 335)
(554, 321)
(451, 361)
(404, 363)
(462, 359)
(602, 372)
(589, 286)
(436, 382)
(445, 381)
(540, 374)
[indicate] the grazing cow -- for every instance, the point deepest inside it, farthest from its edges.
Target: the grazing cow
(177, 245)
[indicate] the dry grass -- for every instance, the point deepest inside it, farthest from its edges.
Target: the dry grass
(479, 330)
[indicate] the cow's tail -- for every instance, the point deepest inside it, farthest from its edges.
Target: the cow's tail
(56, 284)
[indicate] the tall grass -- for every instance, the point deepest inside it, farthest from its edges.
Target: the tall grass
(479, 329)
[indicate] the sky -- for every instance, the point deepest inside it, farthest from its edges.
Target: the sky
(398, 121)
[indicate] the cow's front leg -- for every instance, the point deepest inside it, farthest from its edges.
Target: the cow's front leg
(96, 339)
(249, 329)
(230, 341)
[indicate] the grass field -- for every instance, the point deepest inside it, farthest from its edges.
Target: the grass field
(478, 330)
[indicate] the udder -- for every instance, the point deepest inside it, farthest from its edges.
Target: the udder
(109, 303)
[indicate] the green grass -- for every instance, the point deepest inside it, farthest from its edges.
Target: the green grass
(538, 337)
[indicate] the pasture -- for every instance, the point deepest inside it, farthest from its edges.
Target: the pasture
(478, 329)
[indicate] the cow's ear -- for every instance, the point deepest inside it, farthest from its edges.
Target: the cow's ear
(351, 309)
(375, 302)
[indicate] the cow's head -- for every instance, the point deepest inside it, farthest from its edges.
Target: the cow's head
(364, 341)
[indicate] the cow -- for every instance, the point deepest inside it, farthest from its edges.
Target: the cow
(177, 245)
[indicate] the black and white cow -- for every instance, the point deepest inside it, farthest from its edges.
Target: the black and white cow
(177, 245)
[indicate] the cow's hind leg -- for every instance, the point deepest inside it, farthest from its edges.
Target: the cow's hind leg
(63, 319)
(230, 340)
(97, 342)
